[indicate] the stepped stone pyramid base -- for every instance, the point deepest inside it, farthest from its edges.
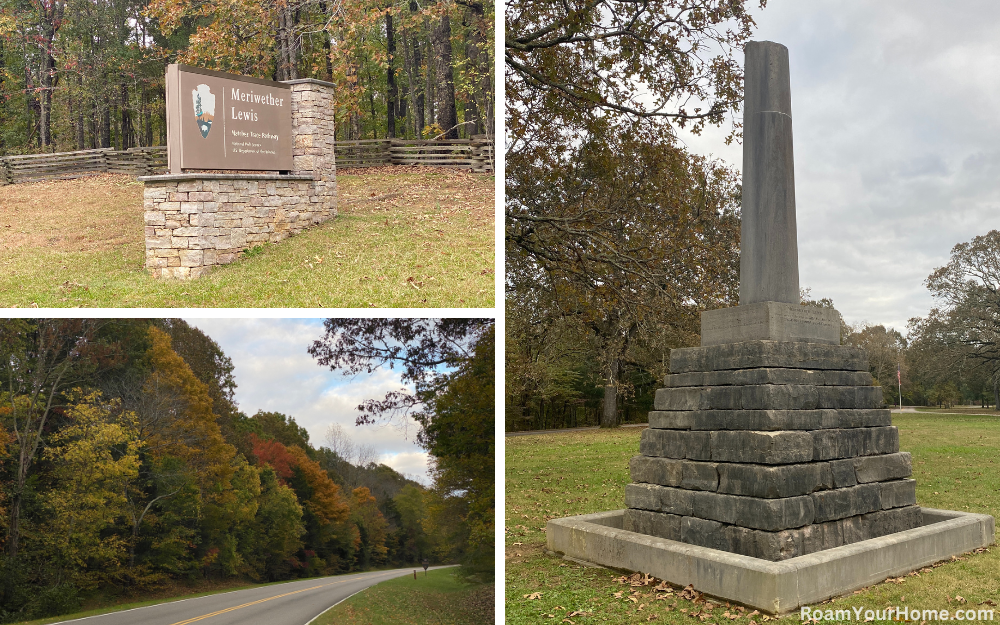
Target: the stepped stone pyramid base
(770, 449)
(770, 476)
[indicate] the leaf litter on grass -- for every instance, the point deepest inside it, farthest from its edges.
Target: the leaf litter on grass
(569, 473)
(443, 239)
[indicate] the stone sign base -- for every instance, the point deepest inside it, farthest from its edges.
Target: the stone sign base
(773, 587)
(197, 221)
(770, 321)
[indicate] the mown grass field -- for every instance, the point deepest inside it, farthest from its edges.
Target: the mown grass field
(404, 237)
(433, 597)
(956, 462)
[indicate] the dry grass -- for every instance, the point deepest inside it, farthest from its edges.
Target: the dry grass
(404, 237)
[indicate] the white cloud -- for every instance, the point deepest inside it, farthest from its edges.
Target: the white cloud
(896, 143)
(274, 372)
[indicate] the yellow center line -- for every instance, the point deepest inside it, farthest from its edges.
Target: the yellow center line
(237, 607)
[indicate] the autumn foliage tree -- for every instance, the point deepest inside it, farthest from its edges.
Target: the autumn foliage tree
(449, 363)
(622, 244)
(122, 476)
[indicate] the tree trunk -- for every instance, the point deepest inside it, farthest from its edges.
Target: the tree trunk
(481, 104)
(81, 138)
(444, 89)
(128, 128)
(996, 392)
(609, 416)
(417, 85)
(392, 90)
(429, 87)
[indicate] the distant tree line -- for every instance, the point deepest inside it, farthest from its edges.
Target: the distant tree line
(126, 465)
(949, 357)
(79, 74)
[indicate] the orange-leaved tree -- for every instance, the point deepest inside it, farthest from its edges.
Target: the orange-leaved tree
(186, 427)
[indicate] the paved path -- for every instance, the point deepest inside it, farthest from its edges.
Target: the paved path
(593, 427)
(293, 603)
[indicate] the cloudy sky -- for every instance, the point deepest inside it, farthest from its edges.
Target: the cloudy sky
(274, 372)
(896, 117)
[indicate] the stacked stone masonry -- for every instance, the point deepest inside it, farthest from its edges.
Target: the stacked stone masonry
(195, 221)
(193, 225)
(771, 450)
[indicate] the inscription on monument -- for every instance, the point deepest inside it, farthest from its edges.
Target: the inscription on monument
(224, 121)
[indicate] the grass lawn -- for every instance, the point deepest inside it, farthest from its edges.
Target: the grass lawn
(434, 597)
(404, 237)
(956, 462)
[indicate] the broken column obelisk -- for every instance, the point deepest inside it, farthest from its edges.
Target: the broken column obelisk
(769, 440)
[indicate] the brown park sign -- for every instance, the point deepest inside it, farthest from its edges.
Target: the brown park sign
(224, 121)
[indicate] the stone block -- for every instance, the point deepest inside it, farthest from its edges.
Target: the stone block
(191, 258)
(760, 447)
(663, 471)
(770, 321)
(850, 396)
(659, 498)
(699, 475)
(768, 419)
(704, 533)
(187, 232)
(768, 354)
(201, 196)
(850, 443)
(154, 218)
(882, 468)
(755, 512)
(842, 472)
(191, 207)
(839, 503)
(676, 444)
(768, 397)
(202, 219)
(898, 493)
(772, 482)
(158, 242)
(180, 243)
(188, 185)
(773, 546)
(653, 523)
(743, 377)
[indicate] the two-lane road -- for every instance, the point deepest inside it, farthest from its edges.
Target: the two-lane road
(293, 603)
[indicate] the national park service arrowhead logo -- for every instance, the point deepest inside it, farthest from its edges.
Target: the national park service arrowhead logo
(204, 108)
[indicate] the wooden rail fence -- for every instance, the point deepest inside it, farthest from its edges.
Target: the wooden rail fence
(65, 165)
(472, 154)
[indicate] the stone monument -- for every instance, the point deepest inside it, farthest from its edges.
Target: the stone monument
(770, 473)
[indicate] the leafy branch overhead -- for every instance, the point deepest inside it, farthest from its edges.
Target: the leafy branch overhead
(424, 349)
(670, 59)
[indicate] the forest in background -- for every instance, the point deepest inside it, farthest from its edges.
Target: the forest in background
(125, 463)
(84, 74)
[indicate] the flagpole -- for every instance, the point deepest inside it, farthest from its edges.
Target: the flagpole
(899, 379)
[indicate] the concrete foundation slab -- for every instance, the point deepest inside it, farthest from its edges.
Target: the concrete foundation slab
(773, 587)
